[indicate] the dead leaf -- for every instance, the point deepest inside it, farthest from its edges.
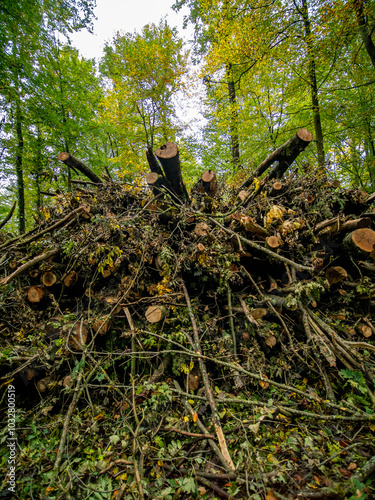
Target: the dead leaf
(271, 495)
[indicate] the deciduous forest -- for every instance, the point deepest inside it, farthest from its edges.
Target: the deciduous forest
(187, 253)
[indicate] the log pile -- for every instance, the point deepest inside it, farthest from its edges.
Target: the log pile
(218, 344)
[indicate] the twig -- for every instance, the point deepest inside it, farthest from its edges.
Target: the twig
(190, 434)
(77, 393)
(202, 366)
(211, 442)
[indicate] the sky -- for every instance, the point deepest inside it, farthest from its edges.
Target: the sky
(127, 16)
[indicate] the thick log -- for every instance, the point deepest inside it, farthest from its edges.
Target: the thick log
(276, 189)
(152, 178)
(49, 278)
(362, 240)
(209, 183)
(364, 330)
(169, 158)
(71, 279)
(35, 294)
(273, 242)
(285, 155)
(153, 162)
(78, 334)
(73, 162)
(335, 274)
(336, 225)
(155, 313)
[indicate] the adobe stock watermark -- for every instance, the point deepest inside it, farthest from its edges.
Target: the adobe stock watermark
(12, 439)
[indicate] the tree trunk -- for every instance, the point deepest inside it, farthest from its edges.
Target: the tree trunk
(72, 162)
(285, 155)
(314, 88)
(233, 119)
(19, 170)
(169, 158)
(364, 29)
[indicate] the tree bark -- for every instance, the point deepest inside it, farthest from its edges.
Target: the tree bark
(19, 171)
(364, 29)
(313, 87)
(169, 158)
(233, 119)
(285, 155)
(72, 162)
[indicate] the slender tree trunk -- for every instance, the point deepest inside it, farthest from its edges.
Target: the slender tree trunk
(364, 29)
(313, 88)
(19, 169)
(233, 110)
(38, 170)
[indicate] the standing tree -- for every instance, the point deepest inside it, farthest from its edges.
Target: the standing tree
(144, 71)
(26, 28)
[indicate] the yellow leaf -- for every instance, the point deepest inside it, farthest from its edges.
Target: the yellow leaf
(186, 419)
(195, 417)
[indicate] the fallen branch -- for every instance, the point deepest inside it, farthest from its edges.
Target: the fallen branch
(202, 366)
(74, 163)
(298, 267)
(27, 265)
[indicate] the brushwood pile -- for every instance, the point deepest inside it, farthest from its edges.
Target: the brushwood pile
(221, 346)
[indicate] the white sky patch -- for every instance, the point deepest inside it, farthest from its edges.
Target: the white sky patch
(127, 16)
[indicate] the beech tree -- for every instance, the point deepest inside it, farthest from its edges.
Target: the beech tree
(144, 72)
(26, 29)
(289, 63)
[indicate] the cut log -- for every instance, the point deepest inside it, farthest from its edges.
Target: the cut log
(152, 178)
(49, 278)
(335, 274)
(335, 183)
(252, 227)
(71, 279)
(44, 384)
(285, 155)
(276, 189)
(154, 314)
(73, 162)
(362, 240)
(78, 334)
(153, 162)
(170, 160)
(102, 325)
(273, 242)
(35, 294)
(209, 183)
(364, 330)
(352, 225)
(258, 313)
